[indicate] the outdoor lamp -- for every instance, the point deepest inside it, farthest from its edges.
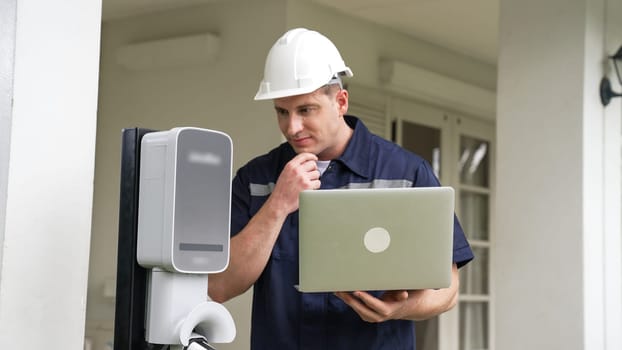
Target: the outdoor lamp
(606, 93)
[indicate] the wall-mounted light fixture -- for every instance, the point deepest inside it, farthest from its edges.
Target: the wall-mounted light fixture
(606, 93)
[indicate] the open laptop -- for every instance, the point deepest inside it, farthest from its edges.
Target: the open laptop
(375, 239)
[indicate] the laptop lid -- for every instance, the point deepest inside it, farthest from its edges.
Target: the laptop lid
(375, 239)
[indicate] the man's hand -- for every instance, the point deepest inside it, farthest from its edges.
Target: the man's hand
(372, 309)
(251, 247)
(415, 305)
(299, 174)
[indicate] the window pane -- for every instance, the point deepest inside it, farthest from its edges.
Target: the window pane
(425, 141)
(474, 215)
(474, 161)
(474, 276)
(473, 326)
(426, 334)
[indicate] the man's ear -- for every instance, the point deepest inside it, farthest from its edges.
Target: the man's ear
(342, 101)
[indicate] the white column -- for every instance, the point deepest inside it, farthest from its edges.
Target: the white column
(47, 158)
(8, 9)
(613, 181)
(557, 280)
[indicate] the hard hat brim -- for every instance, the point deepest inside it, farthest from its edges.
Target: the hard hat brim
(264, 94)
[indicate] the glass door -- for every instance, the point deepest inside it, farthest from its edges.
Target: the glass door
(473, 205)
(423, 130)
(425, 140)
(459, 150)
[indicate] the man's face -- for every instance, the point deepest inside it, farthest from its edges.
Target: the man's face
(314, 122)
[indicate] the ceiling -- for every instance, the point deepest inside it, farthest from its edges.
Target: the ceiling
(467, 27)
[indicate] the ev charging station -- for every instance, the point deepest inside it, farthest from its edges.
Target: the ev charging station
(173, 231)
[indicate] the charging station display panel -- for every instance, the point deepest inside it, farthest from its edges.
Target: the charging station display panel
(202, 201)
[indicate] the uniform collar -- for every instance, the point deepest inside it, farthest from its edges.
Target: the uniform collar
(357, 153)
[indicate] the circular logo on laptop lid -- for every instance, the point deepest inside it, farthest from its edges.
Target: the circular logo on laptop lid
(377, 239)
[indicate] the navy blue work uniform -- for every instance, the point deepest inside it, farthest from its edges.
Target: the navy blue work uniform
(284, 318)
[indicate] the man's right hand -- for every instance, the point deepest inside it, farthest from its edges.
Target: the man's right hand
(251, 247)
(299, 174)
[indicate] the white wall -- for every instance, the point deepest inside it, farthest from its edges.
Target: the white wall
(549, 259)
(219, 96)
(50, 143)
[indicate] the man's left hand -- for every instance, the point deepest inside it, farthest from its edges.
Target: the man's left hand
(372, 309)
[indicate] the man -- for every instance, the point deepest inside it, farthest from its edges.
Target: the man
(325, 149)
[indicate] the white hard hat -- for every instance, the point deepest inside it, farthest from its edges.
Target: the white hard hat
(300, 62)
